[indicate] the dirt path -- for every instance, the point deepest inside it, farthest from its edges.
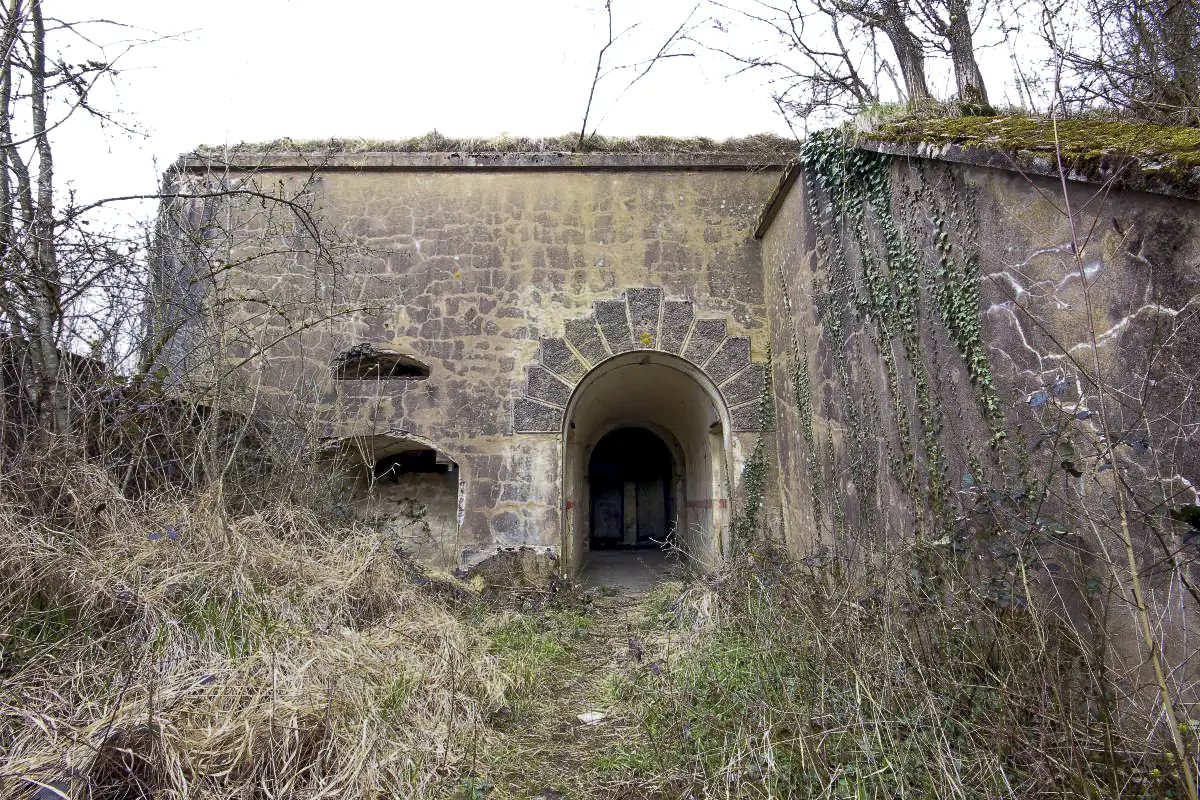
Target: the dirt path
(550, 751)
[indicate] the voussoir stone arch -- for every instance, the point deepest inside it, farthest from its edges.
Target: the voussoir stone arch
(640, 319)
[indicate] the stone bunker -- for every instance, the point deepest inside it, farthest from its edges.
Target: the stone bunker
(562, 354)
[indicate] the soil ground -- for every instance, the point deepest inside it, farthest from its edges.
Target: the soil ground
(548, 751)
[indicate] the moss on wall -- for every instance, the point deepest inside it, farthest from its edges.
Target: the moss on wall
(1117, 154)
(1161, 147)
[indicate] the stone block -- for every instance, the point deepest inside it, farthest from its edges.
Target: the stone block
(732, 357)
(677, 318)
(613, 320)
(745, 418)
(558, 358)
(707, 335)
(746, 386)
(645, 306)
(530, 416)
(584, 336)
(543, 385)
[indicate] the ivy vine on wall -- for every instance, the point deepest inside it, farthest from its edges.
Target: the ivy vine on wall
(876, 276)
(748, 524)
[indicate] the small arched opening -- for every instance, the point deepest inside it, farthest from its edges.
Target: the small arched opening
(409, 490)
(645, 459)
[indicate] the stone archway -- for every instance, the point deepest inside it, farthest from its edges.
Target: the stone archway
(642, 361)
(640, 320)
(670, 397)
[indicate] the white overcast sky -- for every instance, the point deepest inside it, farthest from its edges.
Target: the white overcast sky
(254, 70)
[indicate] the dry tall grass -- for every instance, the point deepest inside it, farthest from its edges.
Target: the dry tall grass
(164, 647)
(243, 638)
(780, 679)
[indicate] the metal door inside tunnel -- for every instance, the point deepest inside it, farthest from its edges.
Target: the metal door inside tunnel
(629, 477)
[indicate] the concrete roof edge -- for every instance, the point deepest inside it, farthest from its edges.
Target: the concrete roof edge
(775, 201)
(403, 161)
(1122, 173)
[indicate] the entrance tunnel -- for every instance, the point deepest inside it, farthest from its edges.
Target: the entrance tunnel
(645, 459)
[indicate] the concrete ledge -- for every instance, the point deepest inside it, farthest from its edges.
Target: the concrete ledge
(775, 201)
(1125, 173)
(290, 161)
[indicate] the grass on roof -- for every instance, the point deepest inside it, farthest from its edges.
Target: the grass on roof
(1172, 150)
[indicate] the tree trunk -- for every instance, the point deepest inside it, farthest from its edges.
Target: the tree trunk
(971, 88)
(909, 53)
(1181, 43)
(8, 263)
(47, 296)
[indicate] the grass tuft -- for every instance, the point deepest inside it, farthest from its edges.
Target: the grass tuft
(434, 142)
(272, 653)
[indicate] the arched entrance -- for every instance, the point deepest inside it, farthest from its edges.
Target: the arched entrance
(630, 478)
(646, 440)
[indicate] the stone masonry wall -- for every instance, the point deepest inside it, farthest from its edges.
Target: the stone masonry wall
(472, 269)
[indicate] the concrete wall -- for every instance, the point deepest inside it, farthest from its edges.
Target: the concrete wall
(509, 277)
(938, 384)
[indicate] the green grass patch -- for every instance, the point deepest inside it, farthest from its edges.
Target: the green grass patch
(533, 650)
(36, 630)
(790, 688)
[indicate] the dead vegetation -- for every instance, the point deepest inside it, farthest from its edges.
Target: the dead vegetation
(164, 646)
(173, 644)
(764, 144)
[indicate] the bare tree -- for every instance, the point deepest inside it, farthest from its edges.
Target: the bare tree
(641, 68)
(892, 18)
(1142, 56)
(821, 61)
(33, 295)
(73, 290)
(829, 56)
(825, 55)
